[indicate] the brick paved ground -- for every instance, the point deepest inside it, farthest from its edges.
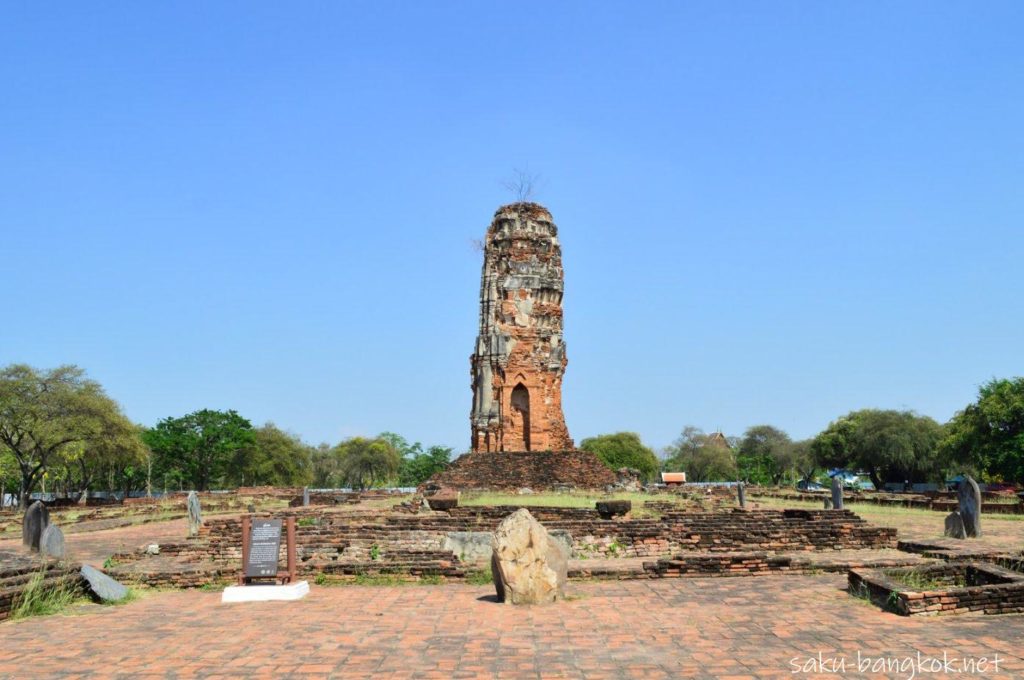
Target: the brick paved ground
(679, 628)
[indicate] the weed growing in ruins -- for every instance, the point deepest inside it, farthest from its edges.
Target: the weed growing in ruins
(320, 579)
(921, 581)
(374, 552)
(306, 521)
(480, 577)
(109, 562)
(40, 598)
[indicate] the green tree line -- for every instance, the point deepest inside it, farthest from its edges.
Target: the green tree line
(61, 433)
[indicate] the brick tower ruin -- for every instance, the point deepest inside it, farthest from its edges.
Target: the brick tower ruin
(520, 357)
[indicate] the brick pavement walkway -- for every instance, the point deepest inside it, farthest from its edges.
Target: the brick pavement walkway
(677, 628)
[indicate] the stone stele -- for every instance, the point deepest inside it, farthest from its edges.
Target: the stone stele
(837, 493)
(35, 521)
(101, 587)
(195, 513)
(955, 525)
(519, 359)
(528, 565)
(51, 543)
(969, 498)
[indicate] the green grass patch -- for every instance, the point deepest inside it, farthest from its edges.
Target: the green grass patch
(480, 577)
(565, 500)
(871, 509)
(918, 581)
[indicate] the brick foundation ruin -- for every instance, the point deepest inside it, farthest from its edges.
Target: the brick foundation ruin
(536, 470)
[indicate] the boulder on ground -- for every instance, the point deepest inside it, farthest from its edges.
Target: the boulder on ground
(101, 587)
(528, 565)
(51, 543)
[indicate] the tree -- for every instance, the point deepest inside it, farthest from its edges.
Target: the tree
(700, 457)
(420, 467)
(363, 463)
(44, 413)
(324, 466)
(8, 473)
(989, 433)
(417, 465)
(275, 458)
(889, 445)
(804, 462)
(623, 449)
(200, 446)
(766, 455)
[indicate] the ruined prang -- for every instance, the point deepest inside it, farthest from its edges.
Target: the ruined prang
(520, 357)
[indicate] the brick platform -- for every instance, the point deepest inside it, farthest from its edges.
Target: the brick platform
(536, 470)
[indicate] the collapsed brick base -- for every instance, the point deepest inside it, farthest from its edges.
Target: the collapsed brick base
(536, 470)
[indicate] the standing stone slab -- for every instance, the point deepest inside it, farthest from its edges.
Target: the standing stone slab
(528, 566)
(195, 514)
(969, 497)
(35, 521)
(305, 496)
(837, 493)
(51, 543)
(955, 525)
(741, 495)
(101, 586)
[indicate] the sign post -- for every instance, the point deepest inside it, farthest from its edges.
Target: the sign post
(261, 577)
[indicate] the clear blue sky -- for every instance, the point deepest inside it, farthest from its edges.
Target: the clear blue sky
(770, 212)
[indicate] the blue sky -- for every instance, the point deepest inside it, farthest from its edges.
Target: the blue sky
(770, 212)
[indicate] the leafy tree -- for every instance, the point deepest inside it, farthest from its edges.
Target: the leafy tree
(200, 446)
(363, 463)
(47, 413)
(623, 449)
(420, 467)
(889, 445)
(324, 466)
(701, 457)
(9, 475)
(766, 455)
(275, 458)
(417, 465)
(804, 461)
(989, 433)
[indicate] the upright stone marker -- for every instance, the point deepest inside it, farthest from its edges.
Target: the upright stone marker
(528, 566)
(837, 493)
(35, 521)
(741, 494)
(195, 514)
(969, 497)
(264, 549)
(955, 525)
(305, 496)
(51, 543)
